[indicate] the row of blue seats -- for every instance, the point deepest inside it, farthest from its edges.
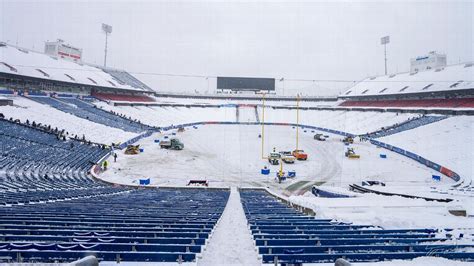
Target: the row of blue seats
(131, 225)
(38, 166)
(283, 234)
(407, 125)
(9, 256)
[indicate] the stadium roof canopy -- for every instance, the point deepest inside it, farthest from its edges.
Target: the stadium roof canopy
(22, 62)
(458, 77)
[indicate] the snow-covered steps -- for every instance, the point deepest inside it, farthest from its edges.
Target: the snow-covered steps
(231, 242)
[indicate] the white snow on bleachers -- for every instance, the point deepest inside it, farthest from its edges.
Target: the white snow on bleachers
(442, 80)
(24, 109)
(348, 121)
(165, 116)
(28, 62)
(247, 114)
(449, 142)
(268, 101)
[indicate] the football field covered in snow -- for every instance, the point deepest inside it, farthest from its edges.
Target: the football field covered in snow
(231, 155)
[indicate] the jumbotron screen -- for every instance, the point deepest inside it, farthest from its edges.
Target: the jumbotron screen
(245, 84)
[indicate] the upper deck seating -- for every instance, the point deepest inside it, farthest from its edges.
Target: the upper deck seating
(88, 111)
(122, 97)
(428, 103)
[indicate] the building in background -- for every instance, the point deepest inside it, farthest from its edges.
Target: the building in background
(431, 61)
(63, 50)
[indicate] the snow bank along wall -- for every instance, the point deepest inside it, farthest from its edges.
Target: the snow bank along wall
(439, 168)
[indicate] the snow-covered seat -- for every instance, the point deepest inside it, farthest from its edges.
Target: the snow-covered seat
(287, 239)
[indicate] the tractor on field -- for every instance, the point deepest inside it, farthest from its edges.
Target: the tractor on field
(320, 137)
(132, 149)
(181, 129)
(300, 155)
(350, 153)
(348, 140)
(274, 158)
(171, 144)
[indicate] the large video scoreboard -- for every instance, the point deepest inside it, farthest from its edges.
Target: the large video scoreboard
(245, 84)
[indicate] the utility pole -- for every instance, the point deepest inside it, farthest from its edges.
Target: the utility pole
(297, 119)
(107, 29)
(384, 41)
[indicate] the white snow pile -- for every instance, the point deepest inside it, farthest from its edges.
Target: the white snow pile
(384, 211)
(449, 142)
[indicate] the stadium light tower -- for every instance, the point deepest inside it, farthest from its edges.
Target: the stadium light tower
(384, 41)
(107, 29)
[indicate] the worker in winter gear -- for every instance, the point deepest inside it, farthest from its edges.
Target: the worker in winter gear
(115, 157)
(105, 165)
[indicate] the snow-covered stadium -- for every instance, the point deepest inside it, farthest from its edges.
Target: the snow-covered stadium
(98, 167)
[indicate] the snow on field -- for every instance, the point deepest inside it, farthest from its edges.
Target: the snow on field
(449, 142)
(230, 155)
(24, 109)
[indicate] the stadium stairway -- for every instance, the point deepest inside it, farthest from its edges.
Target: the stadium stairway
(237, 114)
(257, 117)
(284, 235)
(406, 125)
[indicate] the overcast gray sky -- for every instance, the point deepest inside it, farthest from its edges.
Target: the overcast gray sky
(296, 40)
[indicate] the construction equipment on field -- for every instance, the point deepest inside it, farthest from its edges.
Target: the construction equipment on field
(320, 137)
(181, 129)
(300, 155)
(348, 140)
(280, 175)
(350, 153)
(132, 149)
(274, 158)
(287, 157)
(172, 144)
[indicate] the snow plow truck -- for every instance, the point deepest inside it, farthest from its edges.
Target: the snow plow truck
(171, 144)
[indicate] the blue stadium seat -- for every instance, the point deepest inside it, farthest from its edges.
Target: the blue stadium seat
(284, 235)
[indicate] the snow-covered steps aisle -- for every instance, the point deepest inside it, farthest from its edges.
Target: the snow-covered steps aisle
(231, 243)
(237, 119)
(257, 117)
